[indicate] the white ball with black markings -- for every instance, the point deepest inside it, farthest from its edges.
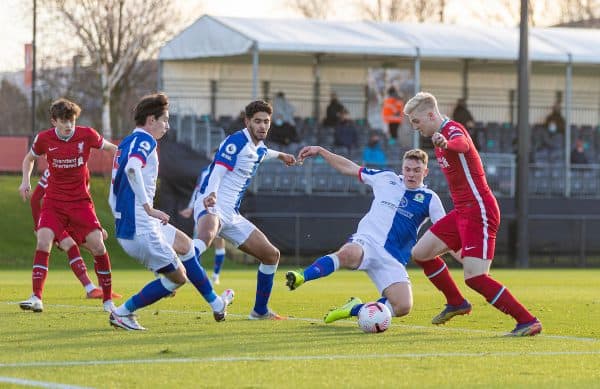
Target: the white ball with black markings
(374, 317)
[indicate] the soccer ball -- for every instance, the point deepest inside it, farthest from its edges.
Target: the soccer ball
(374, 317)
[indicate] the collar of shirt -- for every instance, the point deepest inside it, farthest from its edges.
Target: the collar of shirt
(446, 120)
(61, 137)
(247, 133)
(139, 129)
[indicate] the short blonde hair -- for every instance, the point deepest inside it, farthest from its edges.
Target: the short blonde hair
(417, 155)
(420, 102)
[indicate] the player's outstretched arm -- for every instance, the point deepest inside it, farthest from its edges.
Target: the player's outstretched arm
(288, 159)
(339, 163)
(27, 167)
(110, 147)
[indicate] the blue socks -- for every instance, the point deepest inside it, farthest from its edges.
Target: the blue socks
(356, 308)
(197, 276)
(322, 267)
(264, 285)
(151, 293)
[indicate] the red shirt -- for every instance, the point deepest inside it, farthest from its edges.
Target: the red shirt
(462, 167)
(67, 162)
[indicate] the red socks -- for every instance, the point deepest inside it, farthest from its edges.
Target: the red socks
(496, 294)
(437, 272)
(78, 266)
(102, 267)
(39, 272)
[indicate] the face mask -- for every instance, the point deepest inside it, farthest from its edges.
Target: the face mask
(552, 127)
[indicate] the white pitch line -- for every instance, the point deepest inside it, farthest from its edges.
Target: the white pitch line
(38, 384)
(307, 319)
(285, 358)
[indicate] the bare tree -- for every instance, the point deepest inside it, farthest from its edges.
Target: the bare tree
(115, 35)
(312, 9)
(546, 12)
(578, 10)
(403, 10)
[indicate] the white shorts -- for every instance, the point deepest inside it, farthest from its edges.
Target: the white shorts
(383, 269)
(232, 226)
(153, 249)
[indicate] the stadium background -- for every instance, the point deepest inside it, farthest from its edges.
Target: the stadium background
(312, 209)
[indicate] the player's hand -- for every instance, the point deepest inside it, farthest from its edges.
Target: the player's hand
(288, 159)
(104, 234)
(25, 191)
(308, 151)
(210, 202)
(439, 140)
(160, 215)
(186, 212)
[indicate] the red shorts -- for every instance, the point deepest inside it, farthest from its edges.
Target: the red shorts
(77, 219)
(470, 230)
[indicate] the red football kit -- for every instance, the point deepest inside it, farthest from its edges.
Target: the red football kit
(67, 202)
(36, 209)
(473, 223)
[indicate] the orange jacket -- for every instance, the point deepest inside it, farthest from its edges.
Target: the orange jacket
(392, 110)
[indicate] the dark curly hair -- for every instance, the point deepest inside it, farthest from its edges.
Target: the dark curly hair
(258, 106)
(155, 104)
(64, 109)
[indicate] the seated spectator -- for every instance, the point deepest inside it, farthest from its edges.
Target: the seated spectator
(462, 115)
(237, 124)
(334, 111)
(283, 111)
(283, 128)
(346, 133)
(373, 154)
(578, 156)
(555, 123)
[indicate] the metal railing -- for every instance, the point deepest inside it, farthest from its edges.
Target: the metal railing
(200, 133)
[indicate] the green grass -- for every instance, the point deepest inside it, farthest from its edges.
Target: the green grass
(18, 241)
(184, 347)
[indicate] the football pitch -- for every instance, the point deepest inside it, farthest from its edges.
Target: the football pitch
(72, 345)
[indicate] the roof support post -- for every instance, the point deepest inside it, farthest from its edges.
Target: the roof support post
(524, 140)
(316, 111)
(159, 79)
(568, 118)
(465, 80)
(417, 71)
(255, 71)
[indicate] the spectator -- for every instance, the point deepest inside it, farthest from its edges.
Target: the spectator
(373, 154)
(237, 124)
(334, 111)
(346, 133)
(553, 136)
(578, 156)
(392, 113)
(283, 128)
(283, 111)
(462, 115)
(555, 123)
